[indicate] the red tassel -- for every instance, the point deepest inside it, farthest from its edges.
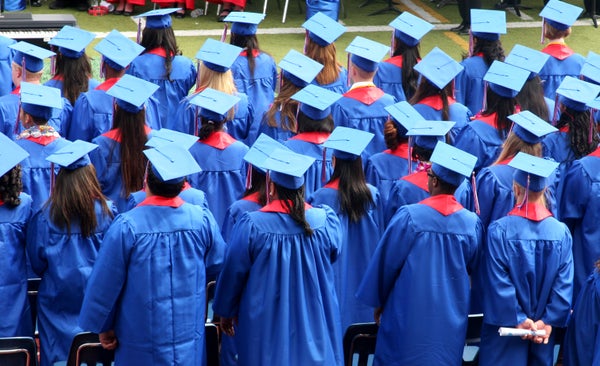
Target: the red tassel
(102, 67)
(484, 101)
(224, 35)
(23, 70)
(543, 30)
(471, 43)
(196, 124)
(590, 137)
(52, 63)
(555, 111)
(409, 157)
(268, 175)
(348, 69)
(138, 36)
(17, 122)
(305, 42)
(145, 175)
(249, 177)
(475, 196)
(323, 170)
(52, 177)
(392, 44)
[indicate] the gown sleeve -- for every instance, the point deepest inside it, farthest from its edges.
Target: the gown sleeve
(37, 236)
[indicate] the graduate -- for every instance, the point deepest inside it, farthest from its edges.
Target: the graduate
(218, 153)
(486, 28)
(558, 16)
(528, 278)
(319, 44)
(119, 161)
(397, 76)
(39, 139)
(254, 71)
(418, 278)
(63, 240)
(386, 167)
(363, 106)
(359, 208)
(291, 246)
(483, 137)
(6, 56)
(160, 253)
(15, 212)
(162, 63)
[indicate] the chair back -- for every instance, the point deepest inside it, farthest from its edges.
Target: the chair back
(211, 337)
(33, 284)
(472, 339)
(18, 351)
(86, 349)
(209, 315)
(359, 344)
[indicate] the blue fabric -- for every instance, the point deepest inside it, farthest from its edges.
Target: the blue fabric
(276, 133)
(313, 178)
(155, 294)
(223, 175)
(57, 83)
(359, 241)
(190, 195)
(482, 140)
(557, 146)
(64, 262)
(300, 299)
(339, 86)
(423, 284)
(6, 57)
(151, 68)
(456, 113)
(327, 7)
(528, 274)
(389, 79)
(234, 213)
(14, 306)
(554, 71)
(383, 170)
(469, 85)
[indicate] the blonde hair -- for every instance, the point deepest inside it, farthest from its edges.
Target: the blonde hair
(514, 144)
(221, 81)
(29, 76)
(326, 56)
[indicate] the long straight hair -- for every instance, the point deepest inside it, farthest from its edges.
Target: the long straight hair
(76, 73)
(286, 106)
(503, 107)
(354, 194)
(410, 57)
(163, 38)
(514, 145)
(327, 57)
(531, 98)
(250, 43)
(293, 200)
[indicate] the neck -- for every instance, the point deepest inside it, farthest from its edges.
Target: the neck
(557, 40)
(110, 73)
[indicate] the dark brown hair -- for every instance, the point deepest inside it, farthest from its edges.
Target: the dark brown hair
(428, 89)
(392, 137)
(354, 194)
(491, 50)
(579, 131)
(11, 186)
(162, 189)
(503, 107)
(76, 74)
(306, 124)
(163, 38)
(531, 98)
(250, 43)
(410, 57)
(293, 200)
(208, 127)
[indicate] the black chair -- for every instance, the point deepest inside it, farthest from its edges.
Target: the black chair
(86, 349)
(33, 285)
(18, 351)
(472, 340)
(211, 337)
(359, 343)
(209, 316)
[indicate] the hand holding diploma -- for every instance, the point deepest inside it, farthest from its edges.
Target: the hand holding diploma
(537, 332)
(516, 332)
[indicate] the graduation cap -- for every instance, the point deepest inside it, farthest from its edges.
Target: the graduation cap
(529, 127)
(30, 55)
(165, 136)
(438, 67)
(316, 101)
(527, 58)
(287, 168)
(591, 67)
(366, 54)
(74, 155)
(576, 94)
(410, 28)
(428, 133)
(11, 154)
(171, 163)
(214, 104)
(594, 104)
(132, 92)
(323, 30)
(158, 18)
(531, 172)
(405, 114)
(348, 143)
(488, 24)
(505, 80)
(261, 150)
(560, 15)
(299, 69)
(244, 23)
(71, 41)
(39, 100)
(218, 56)
(118, 50)
(452, 165)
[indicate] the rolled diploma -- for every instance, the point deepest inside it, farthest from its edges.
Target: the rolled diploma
(516, 332)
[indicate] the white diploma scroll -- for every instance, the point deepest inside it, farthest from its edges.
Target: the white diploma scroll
(516, 332)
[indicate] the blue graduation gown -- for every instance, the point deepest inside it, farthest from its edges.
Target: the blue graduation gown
(223, 175)
(386, 167)
(359, 240)
(327, 7)
(431, 109)
(155, 294)
(269, 247)
(235, 211)
(495, 192)
(188, 194)
(363, 108)
(309, 144)
(259, 87)
(64, 262)
(419, 275)
(6, 56)
(14, 306)
(563, 62)
(528, 274)
(276, 133)
(409, 189)
(150, 66)
(389, 78)
(340, 85)
(557, 146)
(57, 82)
(480, 138)
(469, 87)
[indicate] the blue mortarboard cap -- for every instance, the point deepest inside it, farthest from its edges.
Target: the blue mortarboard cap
(594, 104)
(576, 94)
(164, 136)
(316, 101)
(529, 127)
(218, 56)
(71, 41)
(527, 58)
(366, 54)
(74, 155)
(118, 50)
(410, 28)
(438, 67)
(287, 168)
(405, 114)
(34, 56)
(452, 165)
(560, 15)
(348, 143)
(537, 169)
(11, 154)
(132, 92)
(428, 133)
(172, 163)
(301, 70)
(323, 30)
(591, 67)
(39, 100)
(158, 18)
(488, 24)
(244, 23)
(261, 150)
(506, 80)
(214, 104)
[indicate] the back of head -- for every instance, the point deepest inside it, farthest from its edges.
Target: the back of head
(11, 186)
(161, 38)
(163, 189)
(327, 56)
(76, 73)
